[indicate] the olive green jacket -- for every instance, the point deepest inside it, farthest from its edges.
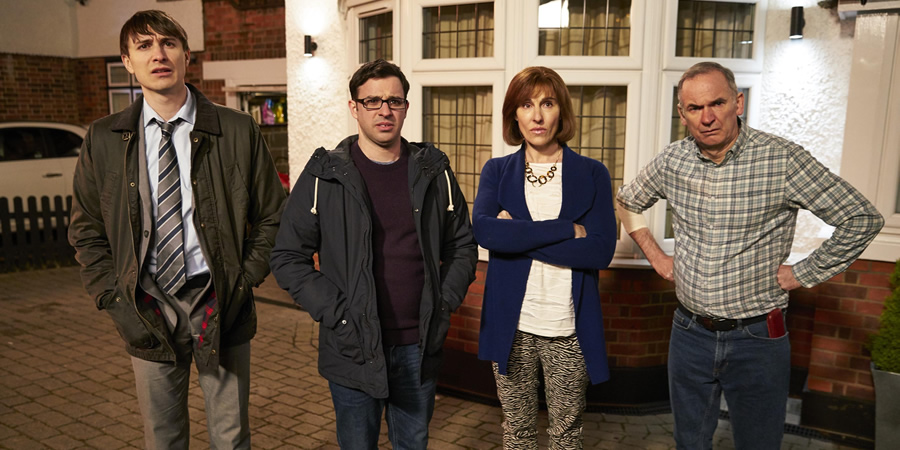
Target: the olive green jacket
(237, 200)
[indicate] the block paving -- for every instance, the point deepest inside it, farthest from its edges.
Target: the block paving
(66, 383)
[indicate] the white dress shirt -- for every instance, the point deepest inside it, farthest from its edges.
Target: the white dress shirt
(193, 257)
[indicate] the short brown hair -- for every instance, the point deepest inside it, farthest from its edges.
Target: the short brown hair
(150, 22)
(705, 67)
(376, 69)
(522, 87)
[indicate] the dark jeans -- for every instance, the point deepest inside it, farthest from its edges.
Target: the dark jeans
(751, 369)
(408, 407)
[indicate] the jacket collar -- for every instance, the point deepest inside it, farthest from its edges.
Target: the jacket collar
(426, 157)
(207, 119)
(577, 185)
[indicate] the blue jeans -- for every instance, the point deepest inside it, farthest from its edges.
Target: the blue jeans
(409, 406)
(751, 369)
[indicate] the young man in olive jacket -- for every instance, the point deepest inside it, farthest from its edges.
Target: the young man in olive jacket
(396, 255)
(176, 207)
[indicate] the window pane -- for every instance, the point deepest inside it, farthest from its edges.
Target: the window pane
(118, 75)
(680, 132)
(376, 40)
(458, 31)
(600, 127)
(21, 144)
(119, 99)
(584, 27)
(458, 121)
(62, 143)
(708, 29)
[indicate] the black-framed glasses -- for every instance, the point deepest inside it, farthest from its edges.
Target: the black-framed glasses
(374, 103)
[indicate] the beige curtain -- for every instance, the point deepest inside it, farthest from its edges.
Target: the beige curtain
(459, 31)
(714, 29)
(594, 28)
(376, 37)
(458, 121)
(600, 126)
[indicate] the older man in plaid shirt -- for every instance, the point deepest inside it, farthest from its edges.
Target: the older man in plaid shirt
(734, 193)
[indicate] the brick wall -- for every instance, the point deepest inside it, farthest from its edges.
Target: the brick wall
(847, 309)
(248, 34)
(637, 316)
(73, 90)
(90, 80)
(829, 324)
(38, 88)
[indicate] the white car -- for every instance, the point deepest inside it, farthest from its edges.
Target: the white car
(37, 159)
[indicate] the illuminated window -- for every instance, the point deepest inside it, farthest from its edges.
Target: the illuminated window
(584, 27)
(458, 31)
(600, 127)
(376, 39)
(458, 121)
(714, 29)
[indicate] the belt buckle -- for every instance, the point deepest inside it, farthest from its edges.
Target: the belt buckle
(716, 324)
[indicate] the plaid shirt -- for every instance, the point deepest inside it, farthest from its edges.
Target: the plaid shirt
(734, 222)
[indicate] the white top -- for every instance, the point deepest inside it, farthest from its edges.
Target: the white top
(547, 309)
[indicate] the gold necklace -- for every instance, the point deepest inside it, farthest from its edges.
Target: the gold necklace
(539, 180)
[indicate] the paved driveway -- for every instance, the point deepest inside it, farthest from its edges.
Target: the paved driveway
(66, 383)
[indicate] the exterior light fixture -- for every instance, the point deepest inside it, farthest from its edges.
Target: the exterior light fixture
(309, 47)
(797, 22)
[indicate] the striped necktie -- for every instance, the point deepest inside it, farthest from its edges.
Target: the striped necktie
(170, 269)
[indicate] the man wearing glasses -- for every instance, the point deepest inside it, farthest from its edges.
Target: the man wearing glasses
(396, 255)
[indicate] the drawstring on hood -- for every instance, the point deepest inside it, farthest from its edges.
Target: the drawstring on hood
(319, 170)
(315, 198)
(449, 190)
(450, 207)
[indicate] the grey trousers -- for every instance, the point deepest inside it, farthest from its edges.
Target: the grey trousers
(162, 390)
(162, 387)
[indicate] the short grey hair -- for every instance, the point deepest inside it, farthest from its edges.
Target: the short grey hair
(704, 68)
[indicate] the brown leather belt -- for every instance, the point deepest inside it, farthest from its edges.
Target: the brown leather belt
(713, 324)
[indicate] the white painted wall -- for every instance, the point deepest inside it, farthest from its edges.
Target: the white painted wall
(39, 27)
(804, 92)
(66, 28)
(317, 86)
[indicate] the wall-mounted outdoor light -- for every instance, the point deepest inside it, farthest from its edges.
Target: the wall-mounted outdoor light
(309, 47)
(797, 22)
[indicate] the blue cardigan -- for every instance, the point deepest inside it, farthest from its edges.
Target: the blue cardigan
(513, 244)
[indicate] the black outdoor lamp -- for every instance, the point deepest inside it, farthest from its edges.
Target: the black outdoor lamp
(309, 47)
(797, 22)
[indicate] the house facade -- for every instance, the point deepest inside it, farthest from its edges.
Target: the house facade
(835, 91)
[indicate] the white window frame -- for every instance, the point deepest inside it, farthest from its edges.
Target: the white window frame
(132, 81)
(632, 61)
(413, 127)
(682, 63)
(132, 94)
(368, 10)
(632, 81)
(414, 124)
(496, 62)
(870, 159)
(132, 88)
